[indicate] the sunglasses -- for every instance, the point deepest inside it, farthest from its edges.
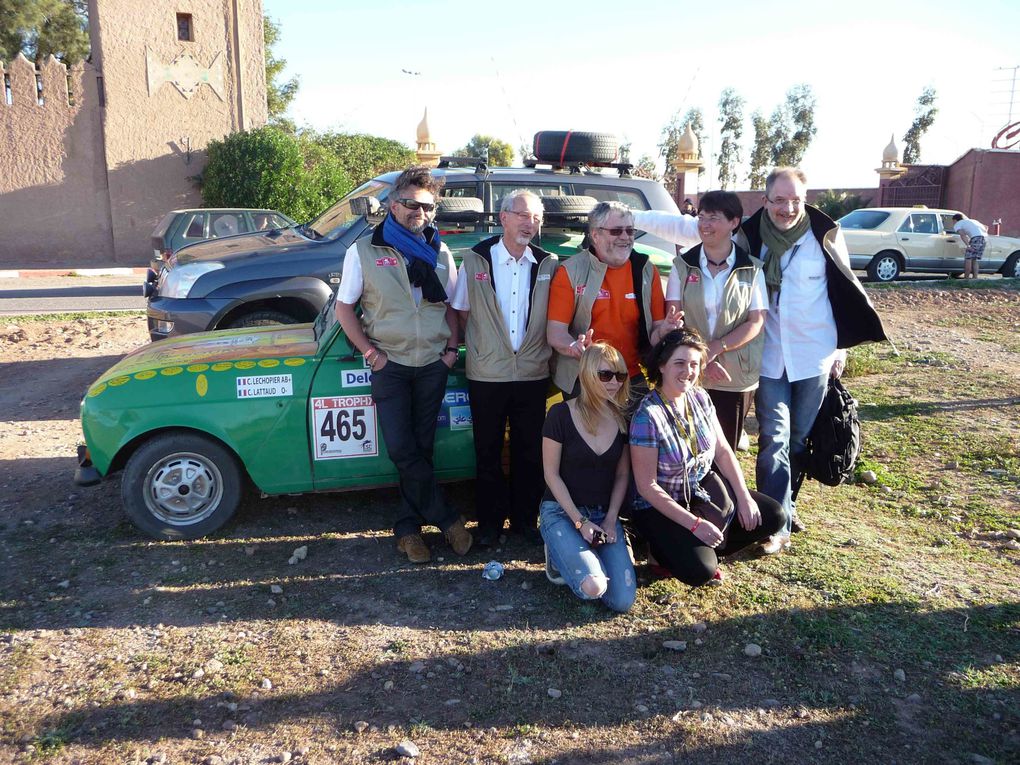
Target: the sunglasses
(414, 204)
(617, 230)
(605, 375)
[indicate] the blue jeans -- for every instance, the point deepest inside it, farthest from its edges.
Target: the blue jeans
(786, 411)
(576, 559)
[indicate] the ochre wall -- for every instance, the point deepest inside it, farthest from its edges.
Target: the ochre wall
(54, 203)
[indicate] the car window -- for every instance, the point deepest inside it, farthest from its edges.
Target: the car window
(947, 222)
(923, 223)
(863, 219)
(500, 190)
(195, 227)
(224, 224)
(633, 198)
(339, 217)
(463, 190)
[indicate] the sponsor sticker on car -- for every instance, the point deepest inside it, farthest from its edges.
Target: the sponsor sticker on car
(265, 386)
(344, 427)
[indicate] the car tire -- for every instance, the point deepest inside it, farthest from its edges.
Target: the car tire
(1011, 270)
(568, 205)
(181, 485)
(261, 319)
(565, 146)
(459, 209)
(885, 267)
(955, 274)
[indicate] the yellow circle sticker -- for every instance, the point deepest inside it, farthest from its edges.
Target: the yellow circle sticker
(171, 371)
(97, 390)
(118, 381)
(198, 367)
(148, 374)
(222, 366)
(269, 363)
(244, 364)
(294, 362)
(201, 385)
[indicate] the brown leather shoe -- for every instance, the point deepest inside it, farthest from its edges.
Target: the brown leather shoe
(414, 547)
(460, 538)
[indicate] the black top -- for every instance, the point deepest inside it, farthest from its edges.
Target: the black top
(589, 477)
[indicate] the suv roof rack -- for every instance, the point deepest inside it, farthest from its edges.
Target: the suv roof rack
(480, 164)
(578, 168)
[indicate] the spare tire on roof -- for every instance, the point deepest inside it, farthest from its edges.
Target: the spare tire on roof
(459, 209)
(570, 146)
(568, 205)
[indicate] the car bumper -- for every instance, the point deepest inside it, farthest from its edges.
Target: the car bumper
(85, 474)
(171, 317)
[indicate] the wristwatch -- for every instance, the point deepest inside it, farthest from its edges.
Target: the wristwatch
(450, 349)
(580, 523)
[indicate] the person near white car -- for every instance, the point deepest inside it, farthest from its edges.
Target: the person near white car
(974, 237)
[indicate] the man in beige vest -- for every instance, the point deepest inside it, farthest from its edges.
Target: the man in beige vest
(402, 275)
(502, 295)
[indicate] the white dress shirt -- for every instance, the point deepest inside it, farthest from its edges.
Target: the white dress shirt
(712, 288)
(800, 331)
(352, 280)
(673, 227)
(511, 279)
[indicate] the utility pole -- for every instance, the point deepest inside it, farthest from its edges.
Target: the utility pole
(1009, 80)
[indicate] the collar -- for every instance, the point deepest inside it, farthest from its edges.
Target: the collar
(485, 247)
(820, 225)
(730, 259)
(741, 259)
(500, 254)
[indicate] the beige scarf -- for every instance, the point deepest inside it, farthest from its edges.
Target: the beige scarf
(778, 243)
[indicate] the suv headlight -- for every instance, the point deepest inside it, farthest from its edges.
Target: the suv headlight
(179, 281)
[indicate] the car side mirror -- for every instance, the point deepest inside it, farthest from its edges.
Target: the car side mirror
(369, 207)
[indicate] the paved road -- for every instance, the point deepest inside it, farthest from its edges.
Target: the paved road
(71, 293)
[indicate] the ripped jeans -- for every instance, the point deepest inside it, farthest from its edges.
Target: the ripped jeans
(576, 559)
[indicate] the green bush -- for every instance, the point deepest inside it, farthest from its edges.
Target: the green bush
(269, 168)
(365, 156)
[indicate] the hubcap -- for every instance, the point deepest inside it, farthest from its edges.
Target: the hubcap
(887, 269)
(183, 489)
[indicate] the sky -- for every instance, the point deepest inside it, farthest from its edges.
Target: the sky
(512, 69)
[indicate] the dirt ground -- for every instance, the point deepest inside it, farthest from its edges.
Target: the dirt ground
(119, 649)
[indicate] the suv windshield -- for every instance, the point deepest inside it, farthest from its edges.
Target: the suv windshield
(863, 219)
(339, 217)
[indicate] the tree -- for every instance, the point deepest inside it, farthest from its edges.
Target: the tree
(268, 167)
(793, 126)
(731, 118)
(278, 94)
(671, 134)
(645, 168)
(925, 110)
(40, 28)
(761, 152)
(365, 156)
(499, 153)
(836, 204)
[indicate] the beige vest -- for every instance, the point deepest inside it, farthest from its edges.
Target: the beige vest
(744, 363)
(412, 335)
(490, 356)
(587, 271)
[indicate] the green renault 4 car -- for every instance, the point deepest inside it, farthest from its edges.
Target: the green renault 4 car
(192, 420)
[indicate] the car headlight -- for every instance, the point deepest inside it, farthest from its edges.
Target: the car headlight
(179, 281)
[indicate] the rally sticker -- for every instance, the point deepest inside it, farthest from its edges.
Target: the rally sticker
(579, 289)
(455, 411)
(603, 294)
(355, 378)
(693, 277)
(392, 262)
(543, 277)
(343, 427)
(481, 277)
(264, 386)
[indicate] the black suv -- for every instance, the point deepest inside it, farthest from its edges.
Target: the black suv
(285, 276)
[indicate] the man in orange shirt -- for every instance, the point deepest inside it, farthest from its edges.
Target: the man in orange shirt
(609, 292)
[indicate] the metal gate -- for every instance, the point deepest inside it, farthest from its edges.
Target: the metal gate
(920, 185)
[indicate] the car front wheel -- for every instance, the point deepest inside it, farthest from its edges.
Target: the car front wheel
(1012, 268)
(265, 318)
(181, 485)
(884, 267)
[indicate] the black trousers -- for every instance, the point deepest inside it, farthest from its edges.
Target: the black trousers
(408, 400)
(494, 405)
(731, 408)
(688, 558)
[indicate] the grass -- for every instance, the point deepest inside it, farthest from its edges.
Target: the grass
(26, 318)
(995, 283)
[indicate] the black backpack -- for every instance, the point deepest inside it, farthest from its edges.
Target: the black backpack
(834, 443)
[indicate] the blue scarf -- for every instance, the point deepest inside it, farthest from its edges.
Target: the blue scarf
(422, 251)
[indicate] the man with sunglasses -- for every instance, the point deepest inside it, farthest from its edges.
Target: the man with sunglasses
(502, 295)
(817, 309)
(608, 292)
(402, 274)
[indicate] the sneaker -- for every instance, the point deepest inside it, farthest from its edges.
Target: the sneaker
(743, 443)
(414, 547)
(717, 578)
(460, 538)
(776, 543)
(551, 573)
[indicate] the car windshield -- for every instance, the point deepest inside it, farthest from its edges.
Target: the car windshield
(863, 219)
(339, 217)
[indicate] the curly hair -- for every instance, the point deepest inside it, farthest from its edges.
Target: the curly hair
(660, 353)
(419, 177)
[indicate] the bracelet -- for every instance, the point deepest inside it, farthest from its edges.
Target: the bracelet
(696, 524)
(370, 353)
(450, 349)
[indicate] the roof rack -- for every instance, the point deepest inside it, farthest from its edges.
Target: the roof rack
(578, 168)
(480, 164)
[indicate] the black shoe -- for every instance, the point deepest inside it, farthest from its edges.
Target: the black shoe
(487, 537)
(796, 525)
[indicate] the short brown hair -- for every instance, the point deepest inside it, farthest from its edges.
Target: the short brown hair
(420, 177)
(789, 172)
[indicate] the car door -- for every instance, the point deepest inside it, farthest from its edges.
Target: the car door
(920, 238)
(952, 245)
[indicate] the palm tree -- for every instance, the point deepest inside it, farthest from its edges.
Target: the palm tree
(836, 204)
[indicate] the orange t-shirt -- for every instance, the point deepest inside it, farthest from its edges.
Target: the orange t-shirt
(614, 315)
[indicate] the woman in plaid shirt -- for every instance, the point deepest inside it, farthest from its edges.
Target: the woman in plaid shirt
(690, 486)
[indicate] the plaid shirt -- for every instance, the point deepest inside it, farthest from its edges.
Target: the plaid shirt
(679, 471)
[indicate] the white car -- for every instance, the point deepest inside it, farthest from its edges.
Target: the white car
(886, 241)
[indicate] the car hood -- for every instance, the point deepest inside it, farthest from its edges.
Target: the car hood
(260, 350)
(238, 247)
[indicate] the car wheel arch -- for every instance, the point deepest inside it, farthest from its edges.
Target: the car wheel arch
(1011, 268)
(898, 256)
(302, 310)
(132, 445)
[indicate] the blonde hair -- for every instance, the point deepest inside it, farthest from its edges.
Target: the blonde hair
(591, 404)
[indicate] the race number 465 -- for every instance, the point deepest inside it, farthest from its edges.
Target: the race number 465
(344, 427)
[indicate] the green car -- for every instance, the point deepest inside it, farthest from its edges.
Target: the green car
(192, 419)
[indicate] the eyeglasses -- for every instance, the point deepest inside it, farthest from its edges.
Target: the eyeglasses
(605, 375)
(617, 230)
(796, 204)
(525, 216)
(711, 218)
(414, 204)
